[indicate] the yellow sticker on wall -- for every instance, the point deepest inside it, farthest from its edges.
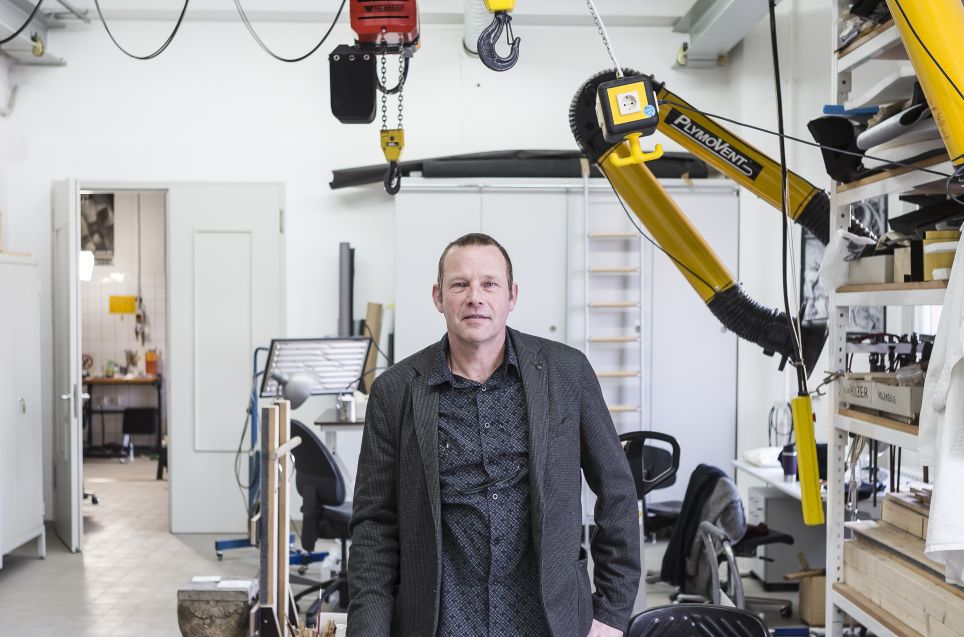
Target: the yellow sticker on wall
(123, 304)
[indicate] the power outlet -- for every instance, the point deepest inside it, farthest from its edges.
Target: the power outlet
(629, 103)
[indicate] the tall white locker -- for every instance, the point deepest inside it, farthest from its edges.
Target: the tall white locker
(21, 481)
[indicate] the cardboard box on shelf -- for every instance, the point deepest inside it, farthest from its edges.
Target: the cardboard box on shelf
(857, 391)
(898, 401)
(875, 269)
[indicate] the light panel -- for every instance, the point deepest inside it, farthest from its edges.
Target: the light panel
(335, 363)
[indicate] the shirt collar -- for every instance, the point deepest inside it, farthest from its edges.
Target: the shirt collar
(441, 373)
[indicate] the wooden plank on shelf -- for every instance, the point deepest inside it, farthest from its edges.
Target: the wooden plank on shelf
(892, 287)
(613, 339)
(865, 38)
(883, 572)
(891, 538)
(613, 235)
(893, 172)
(894, 513)
(613, 270)
(614, 304)
(878, 594)
(909, 501)
(879, 421)
(618, 373)
(888, 621)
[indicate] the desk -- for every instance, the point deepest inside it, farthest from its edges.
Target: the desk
(773, 476)
(91, 382)
(328, 422)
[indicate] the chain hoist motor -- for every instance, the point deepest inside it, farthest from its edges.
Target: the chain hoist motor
(382, 27)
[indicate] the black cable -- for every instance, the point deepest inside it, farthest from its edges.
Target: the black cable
(632, 220)
(33, 14)
(926, 50)
(803, 141)
(800, 368)
(153, 55)
(264, 47)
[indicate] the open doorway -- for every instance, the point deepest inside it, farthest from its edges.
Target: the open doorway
(123, 306)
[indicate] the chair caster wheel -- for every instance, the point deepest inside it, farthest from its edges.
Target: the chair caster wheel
(94, 499)
(786, 611)
(220, 556)
(302, 570)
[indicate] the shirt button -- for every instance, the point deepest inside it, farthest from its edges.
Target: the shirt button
(486, 425)
(483, 389)
(495, 496)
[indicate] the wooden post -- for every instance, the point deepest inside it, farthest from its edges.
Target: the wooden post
(373, 324)
(282, 471)
(269, 524)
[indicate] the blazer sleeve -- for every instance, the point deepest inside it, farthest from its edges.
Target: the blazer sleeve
(373, 558)
(615, 543)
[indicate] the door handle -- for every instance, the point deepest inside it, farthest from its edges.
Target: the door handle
(85, 396)
(66, 396)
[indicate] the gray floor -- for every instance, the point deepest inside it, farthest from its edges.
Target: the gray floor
(125, 582)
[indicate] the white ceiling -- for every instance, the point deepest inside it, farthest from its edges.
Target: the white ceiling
(551, 12)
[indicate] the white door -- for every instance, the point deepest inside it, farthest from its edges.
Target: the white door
(67, 398)
(226, 296)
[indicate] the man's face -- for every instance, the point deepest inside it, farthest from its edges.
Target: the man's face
(475, 296)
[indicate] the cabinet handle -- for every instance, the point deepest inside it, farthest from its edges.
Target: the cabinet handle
(23, 406)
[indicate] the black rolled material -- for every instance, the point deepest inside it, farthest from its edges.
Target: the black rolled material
(767, 327)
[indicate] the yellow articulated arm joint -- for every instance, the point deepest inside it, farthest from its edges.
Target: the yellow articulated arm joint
(937, 25)
(667, 224)
(499, 5)
(803, 433)
(729, 154)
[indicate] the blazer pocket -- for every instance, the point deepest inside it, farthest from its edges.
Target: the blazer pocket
(561, 428)
(583, 593)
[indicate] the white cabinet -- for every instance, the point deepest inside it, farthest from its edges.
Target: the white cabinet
(21, 482)
(529, 222)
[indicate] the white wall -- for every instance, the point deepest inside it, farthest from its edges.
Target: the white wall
(4, 144)
(215, 108)
(803, 30)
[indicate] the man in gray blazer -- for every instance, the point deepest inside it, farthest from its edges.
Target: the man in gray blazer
(467, 508)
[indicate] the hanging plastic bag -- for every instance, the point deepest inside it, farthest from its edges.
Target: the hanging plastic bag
(843, 247)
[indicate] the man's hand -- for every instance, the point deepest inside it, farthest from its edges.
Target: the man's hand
(599, 629)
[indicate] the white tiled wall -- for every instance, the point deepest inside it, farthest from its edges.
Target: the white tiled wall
(106, 336)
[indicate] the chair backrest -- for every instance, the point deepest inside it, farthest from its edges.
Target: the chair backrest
(139, 420)
(688, 620)
(653, 467)
(315, 468)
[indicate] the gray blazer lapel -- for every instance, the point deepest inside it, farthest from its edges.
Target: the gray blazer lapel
(425, 409)
(535, 382)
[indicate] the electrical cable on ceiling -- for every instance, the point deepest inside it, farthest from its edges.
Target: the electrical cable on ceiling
(785, 229)
(264, 47)
(33, 14)
(163, 47)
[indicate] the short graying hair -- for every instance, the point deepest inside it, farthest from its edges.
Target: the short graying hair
(474, 239)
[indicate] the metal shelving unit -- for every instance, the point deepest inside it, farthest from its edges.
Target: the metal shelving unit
(883, 43)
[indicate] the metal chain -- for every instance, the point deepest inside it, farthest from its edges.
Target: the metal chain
(384, 77)
(605, 36)
(401, 86)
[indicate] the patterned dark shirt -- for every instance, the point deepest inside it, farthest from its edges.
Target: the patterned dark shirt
(490, 575)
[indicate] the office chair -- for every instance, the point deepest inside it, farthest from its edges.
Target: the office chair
(326, 513)
(136, 421)
(687, 620)
(713, 537)
(653, 468)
